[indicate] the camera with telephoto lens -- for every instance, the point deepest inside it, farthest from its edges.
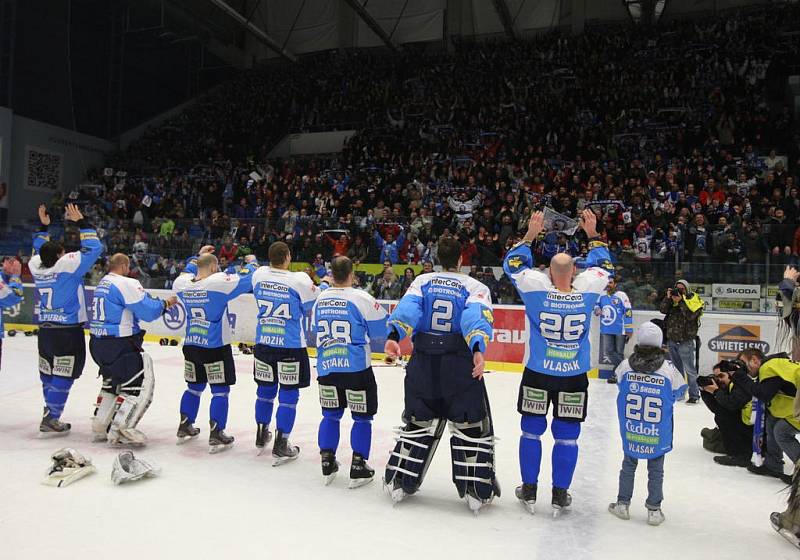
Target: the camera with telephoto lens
(730, 366)
(705, 380)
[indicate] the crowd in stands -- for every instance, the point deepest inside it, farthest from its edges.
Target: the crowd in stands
(679, 136)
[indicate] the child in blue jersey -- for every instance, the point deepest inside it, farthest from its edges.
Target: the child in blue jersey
(346, 320)
(206, 347)
(449, 317)
(284, 300)
(649, 386)
(558, 310)
(59, 285)
(616, 328)
(10, 290)
(115, 344)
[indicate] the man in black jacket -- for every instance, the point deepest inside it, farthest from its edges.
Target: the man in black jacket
(730, 404)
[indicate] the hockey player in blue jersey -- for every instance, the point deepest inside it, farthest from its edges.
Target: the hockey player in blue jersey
(558, 310)
(346, 320)
(616, 328)
(10, 290)
(649, 386)
(115, 344)
(449, 316)
(284, 300)
(62, 312)
(208, 358)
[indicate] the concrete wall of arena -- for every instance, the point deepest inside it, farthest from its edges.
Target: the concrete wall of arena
(311, 143)
(45, 159)
(722, 334)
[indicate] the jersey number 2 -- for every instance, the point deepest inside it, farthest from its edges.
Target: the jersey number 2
(442, 316)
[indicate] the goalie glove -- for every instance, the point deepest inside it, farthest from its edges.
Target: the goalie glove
(128, 468)
(68, 466)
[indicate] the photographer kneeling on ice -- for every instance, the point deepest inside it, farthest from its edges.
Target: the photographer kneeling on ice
(775, 389)
(732, 406)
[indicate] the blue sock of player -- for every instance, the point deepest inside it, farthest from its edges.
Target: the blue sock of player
(530, 447)
(190, 402)
(287, 409)
(265, 400)
(46, 381)
(56, 396)
(328, 437)
(219, 405)
(361, 435)
(565, 451)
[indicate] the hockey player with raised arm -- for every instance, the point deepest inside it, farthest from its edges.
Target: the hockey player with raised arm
(281, 367)
(649, 386)
(208, 358)
(346, 320)
(115, 344)
(62, 312)
(558, 311)
(10, 290)
(449, 317)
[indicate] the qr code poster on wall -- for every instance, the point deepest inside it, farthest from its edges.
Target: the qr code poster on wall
(43, 169)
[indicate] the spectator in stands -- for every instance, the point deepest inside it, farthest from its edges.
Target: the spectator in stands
(405, 283)
(387, 286)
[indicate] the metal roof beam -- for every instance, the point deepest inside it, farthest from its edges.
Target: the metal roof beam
(501, 8)
(372, 24)
(255, 31)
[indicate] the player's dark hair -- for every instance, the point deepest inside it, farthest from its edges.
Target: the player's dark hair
(50, 253)
(748, 353)
(449, 252)
(341, 268)
(278, 252)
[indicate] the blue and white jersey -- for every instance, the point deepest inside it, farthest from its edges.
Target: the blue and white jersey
(119, 304)
(284, 299)
(10, 295)
(644, 407)
(557, 322)
(206, 305)
(346, 320)
(616, 313)
(61, 296)
(446, 303)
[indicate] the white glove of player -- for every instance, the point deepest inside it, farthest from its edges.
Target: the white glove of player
(68, 466)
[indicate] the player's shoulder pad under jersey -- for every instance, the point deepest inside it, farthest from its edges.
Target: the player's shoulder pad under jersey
(68, 263)
(221, 282)
(478, 292)
(593, 280)
(130, 289)
(368, 306)
(623, 297)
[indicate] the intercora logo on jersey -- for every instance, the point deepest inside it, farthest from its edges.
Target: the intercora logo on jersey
(733, 339)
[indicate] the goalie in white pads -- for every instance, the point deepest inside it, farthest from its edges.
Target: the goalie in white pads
(116, 347)
(450, 318)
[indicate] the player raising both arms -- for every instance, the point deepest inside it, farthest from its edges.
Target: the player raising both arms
(62, 312)
(449, 316)
(558, 310)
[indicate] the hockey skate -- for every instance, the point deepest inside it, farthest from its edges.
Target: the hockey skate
(186, 430)
(263, 437)
(526, 494)
(561, 501)
(52, 427)
(330, 466)
(620, 510)
(360, 472)
(282, 450)
(655, 517)
(218, 440)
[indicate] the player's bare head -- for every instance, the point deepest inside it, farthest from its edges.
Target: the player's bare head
(562, 267)
(207, 264)
(279, 255)
(119, 263)
(342, 271)
(449, 252)
(50, 252)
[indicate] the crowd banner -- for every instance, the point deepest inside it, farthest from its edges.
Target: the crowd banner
(722, 335)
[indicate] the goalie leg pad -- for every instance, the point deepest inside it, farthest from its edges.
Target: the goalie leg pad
(135, 397)
(412, 454)
(472, 447)
(104, 410)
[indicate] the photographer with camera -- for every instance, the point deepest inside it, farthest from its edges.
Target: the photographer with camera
(683, 309)
(732, 408)
(773, 381)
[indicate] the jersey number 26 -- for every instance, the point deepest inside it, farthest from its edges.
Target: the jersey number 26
(556, 327)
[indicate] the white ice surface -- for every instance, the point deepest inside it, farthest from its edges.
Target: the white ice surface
(236, 505)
